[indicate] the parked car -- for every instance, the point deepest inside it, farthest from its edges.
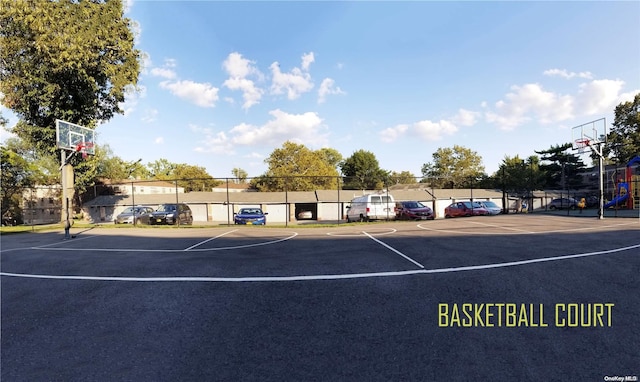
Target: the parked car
(413, 210)
(253, 216)
(305, 215)
(134, 215)
(172, 213)
(464, 209)
(561, 203)
(490, 206)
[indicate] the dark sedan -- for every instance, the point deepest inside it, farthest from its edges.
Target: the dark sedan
(175, 214)
(413, 210)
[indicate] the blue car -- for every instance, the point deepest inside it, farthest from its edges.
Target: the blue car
(250, 216)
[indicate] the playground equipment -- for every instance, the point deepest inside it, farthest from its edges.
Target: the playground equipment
(627, 190)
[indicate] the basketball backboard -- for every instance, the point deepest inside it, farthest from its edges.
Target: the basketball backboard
(589, 134)
(70, 136)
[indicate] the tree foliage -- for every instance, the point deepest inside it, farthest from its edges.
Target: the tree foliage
(561, 169)
(240, 174)
(519, 176)
(161, 169)
(362, 171)
(194, 178)
(294, 167)
(17, 175)
(69, 60)
(114, 168)
(455, 167)
(624, 137)
(403, 177)
(331, 156)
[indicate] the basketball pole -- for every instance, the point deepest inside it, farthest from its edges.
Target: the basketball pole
(66, 176)
(598, 151)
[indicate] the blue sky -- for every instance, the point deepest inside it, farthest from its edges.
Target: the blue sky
(225, 83)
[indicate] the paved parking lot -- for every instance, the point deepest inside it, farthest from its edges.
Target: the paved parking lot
(528, 297)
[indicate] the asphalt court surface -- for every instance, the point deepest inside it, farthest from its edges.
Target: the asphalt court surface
(239, 253)
(348, 302)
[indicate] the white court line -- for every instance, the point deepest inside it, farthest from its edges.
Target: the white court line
(461, 231)
(501, 227)
(294, 234)
(65, 241)
(322, 277)
(208, 240)
(393, 249)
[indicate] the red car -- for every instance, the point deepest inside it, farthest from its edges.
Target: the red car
(465, 209)
(413, 210)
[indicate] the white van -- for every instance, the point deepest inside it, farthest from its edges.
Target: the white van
(372, 207)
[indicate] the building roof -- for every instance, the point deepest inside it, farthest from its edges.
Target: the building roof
(319, 196)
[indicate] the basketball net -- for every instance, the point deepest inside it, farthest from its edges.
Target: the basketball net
(582, 144)
(82, 148)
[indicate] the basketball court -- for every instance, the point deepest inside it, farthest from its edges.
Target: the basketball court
(325, 303)
(239, 253)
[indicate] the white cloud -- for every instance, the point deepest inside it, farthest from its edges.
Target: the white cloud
(201, 94)
(126, 6)
(306, 128)
(529, 102)
(307, 60)
(164, 73)
(239, 69)
(390, 134)
(132, 95)
(328, 87)
(465, 118)
(200, 130)
(150, 115)
(598, 96)
(217, 143)
(296, 82)
(250, 92)
(159, 141)
(566, 74)
(429, 130)
(433, 131)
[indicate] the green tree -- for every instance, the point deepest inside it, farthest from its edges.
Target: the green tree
(161, 169)
(194, 178)
(456, 167)
(404, 177)
(114, 168)
(294, 167)
(17, 175)
(519, 176)
(69, 60)
(362, 171)
(624, 137)
(561, 169)
(331, 156)
(240, 175)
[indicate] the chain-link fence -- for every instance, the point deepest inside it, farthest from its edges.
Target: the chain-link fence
(300, 198)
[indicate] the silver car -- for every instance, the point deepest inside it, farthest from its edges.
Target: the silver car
(493, 208)
(134, 215)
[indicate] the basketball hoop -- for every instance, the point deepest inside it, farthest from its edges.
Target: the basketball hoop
(581, 145)
(83, 147)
